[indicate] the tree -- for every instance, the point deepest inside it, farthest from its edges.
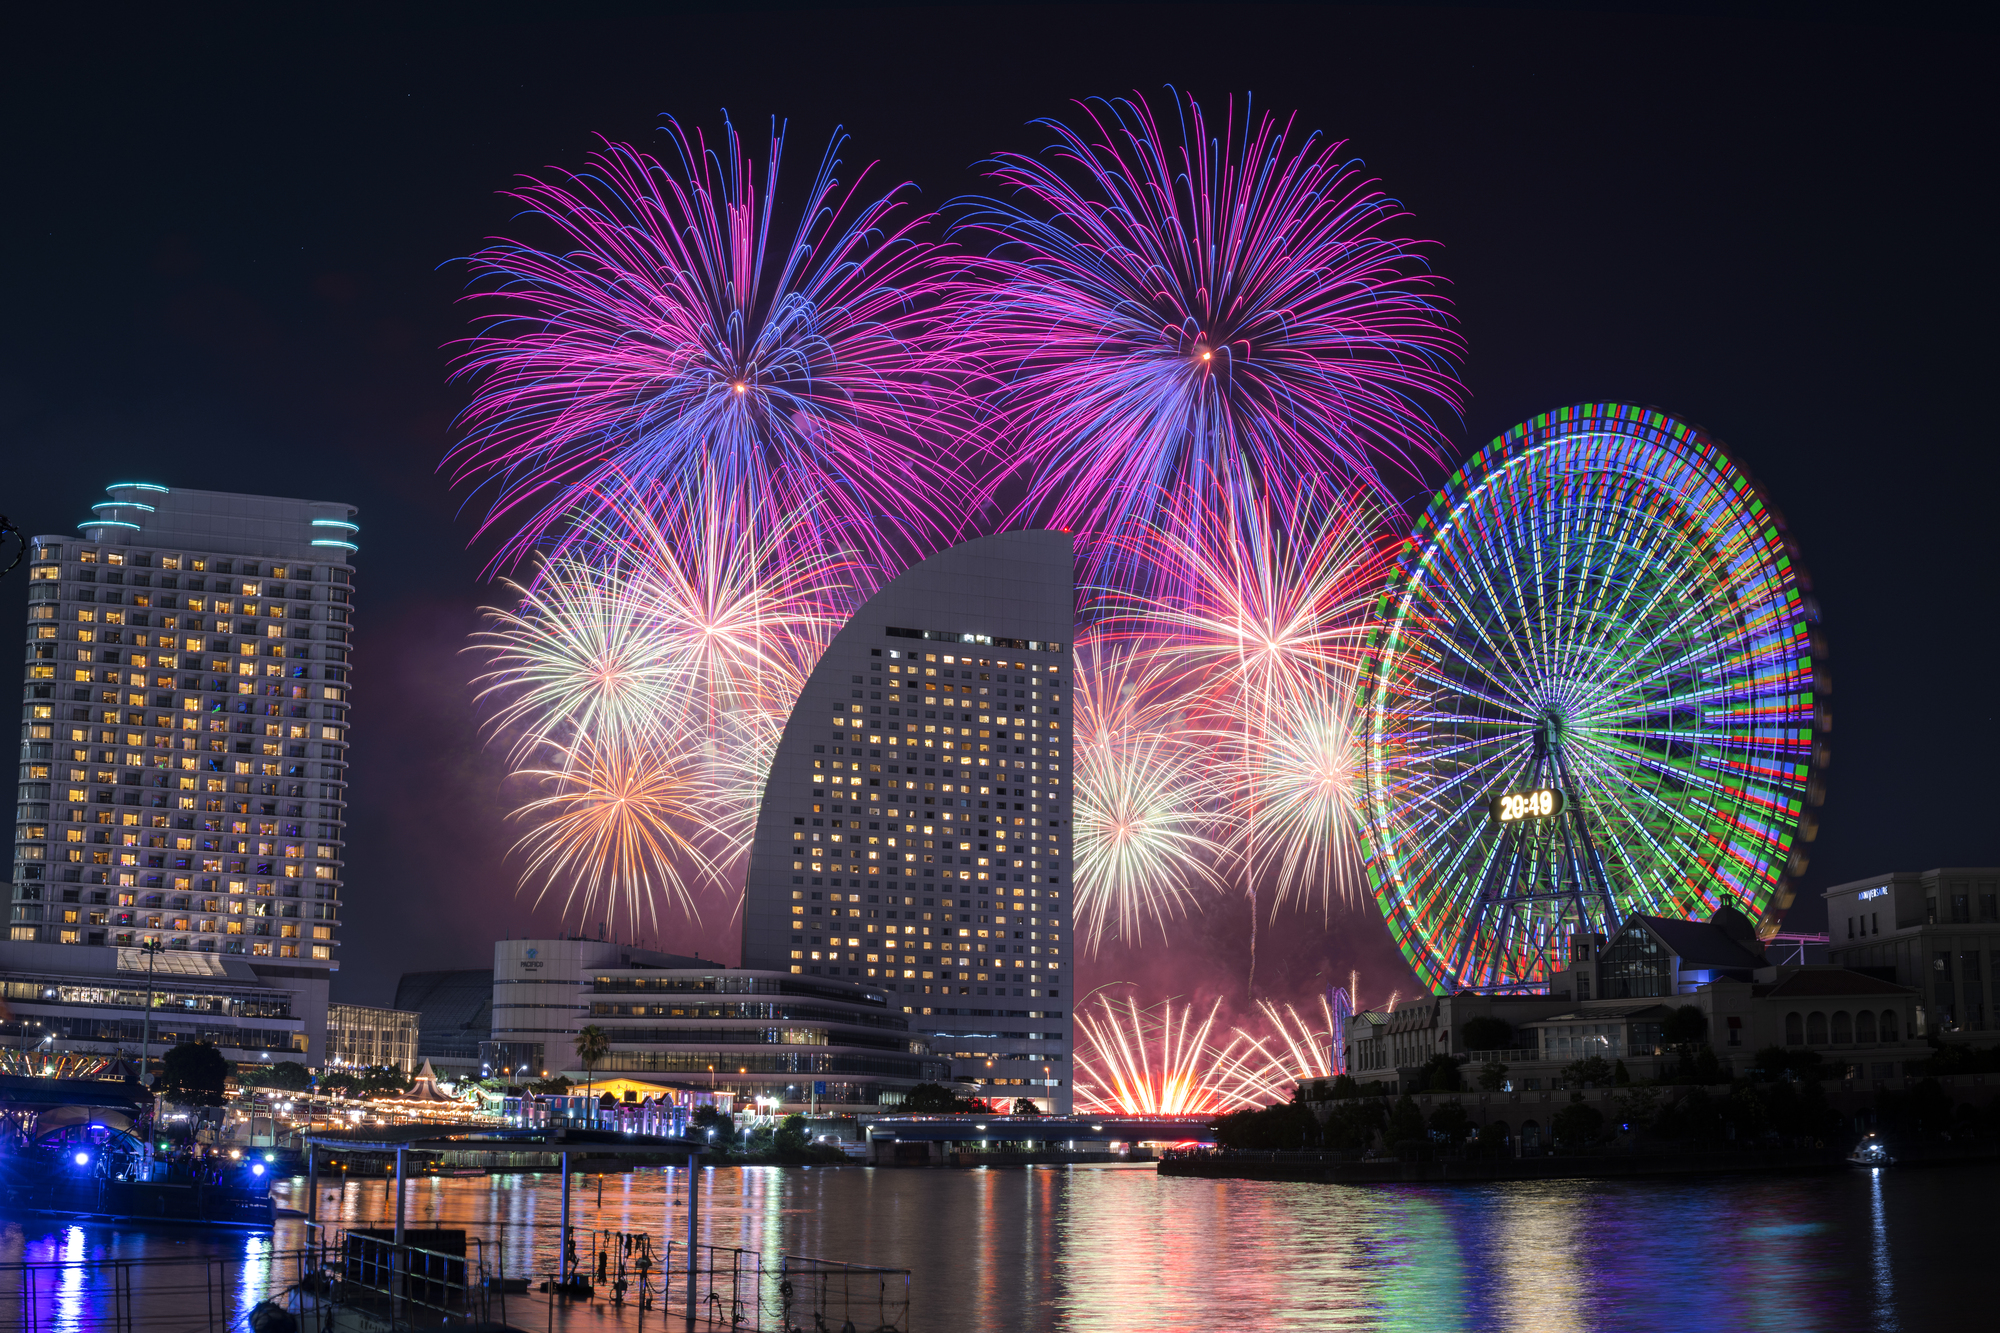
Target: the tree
(1487, 1033)
(1344, 1087)
(1620, 1075)
(551, 1087)
(1578, 1123)
(1353, 1123)
(290, 1076)
(1022, 1106)
(593, 1043)
(1439, 1074)
(1771, 1062)
(1450, 1123)
(193, 1074)
(1492, 1076)
(1693, 1118)
(1592, 1071)
(1288, 1127)
(1493, 1138)
(791, 1135)
(936, 1099)
(1406, 1122)
(706, 1118)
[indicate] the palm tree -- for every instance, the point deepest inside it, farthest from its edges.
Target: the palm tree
(592, 1045)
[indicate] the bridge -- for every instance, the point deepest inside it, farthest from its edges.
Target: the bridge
(916, 1140)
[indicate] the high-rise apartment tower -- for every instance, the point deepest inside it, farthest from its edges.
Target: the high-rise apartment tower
(915, 831)
(184, 737)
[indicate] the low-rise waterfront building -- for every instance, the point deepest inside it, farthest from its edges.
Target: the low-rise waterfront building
(365, 1036)
(1613, 999)
(1936, 931)
(803, 1040)
(64, 998)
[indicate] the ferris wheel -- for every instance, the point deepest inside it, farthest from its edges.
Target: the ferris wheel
(1592, 688)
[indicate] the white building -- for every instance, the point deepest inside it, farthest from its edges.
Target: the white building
(696, 1025)
(915, 831)
(184, 735)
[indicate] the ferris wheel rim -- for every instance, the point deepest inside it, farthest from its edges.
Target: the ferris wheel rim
(1637, 448)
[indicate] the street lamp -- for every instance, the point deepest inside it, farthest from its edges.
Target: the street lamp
(152, 950)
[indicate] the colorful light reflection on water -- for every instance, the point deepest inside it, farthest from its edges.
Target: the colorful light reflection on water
(1119, 1249)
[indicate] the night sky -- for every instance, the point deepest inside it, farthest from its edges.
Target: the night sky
(232, 244)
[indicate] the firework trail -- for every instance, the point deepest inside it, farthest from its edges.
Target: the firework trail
(1259, 1068)
(644, 679)
(1255, 626)
(1149, 824)
(1152, 1061)
(1165, 310)
(676, 335)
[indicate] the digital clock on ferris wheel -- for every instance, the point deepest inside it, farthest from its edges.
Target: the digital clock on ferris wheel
(1516, 806)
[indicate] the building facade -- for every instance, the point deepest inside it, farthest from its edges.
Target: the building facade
(1613, 999)
(184, 740)
(64, 999)
(915, 832)
(366, 1036)
(694, 1024)
(1937, 931)
(455, 1016)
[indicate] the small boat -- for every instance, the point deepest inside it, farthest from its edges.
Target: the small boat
(1870, 1152)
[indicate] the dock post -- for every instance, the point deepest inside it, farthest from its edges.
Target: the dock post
(694, 1228)
(312, 1183)
(399, 1262)
(562, 1243)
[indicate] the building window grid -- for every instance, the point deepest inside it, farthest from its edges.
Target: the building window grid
(157, 691)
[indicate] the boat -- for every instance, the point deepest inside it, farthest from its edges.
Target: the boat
(1870, 1152)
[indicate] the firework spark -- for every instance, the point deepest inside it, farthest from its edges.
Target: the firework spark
(1256, 625)
(1148, 826)
(672, 337)
(1153, 1061)
(621, 829)
(1259, 1068)
(1156, 316)
(645, 677)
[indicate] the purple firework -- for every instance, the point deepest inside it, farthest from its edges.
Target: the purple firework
(1155, 315)
(672, 337)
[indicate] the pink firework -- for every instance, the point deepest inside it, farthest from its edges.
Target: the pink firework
(670, 335)
(1157, 315)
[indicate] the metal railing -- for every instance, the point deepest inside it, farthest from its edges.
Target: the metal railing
(735, 1288)
(214, 1293)
(410, 1282)
(841, 1296)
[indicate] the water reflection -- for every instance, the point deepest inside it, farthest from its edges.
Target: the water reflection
(1878, 1240)
(1119, 1249)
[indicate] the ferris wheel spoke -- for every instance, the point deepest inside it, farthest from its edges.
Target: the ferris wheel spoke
(1605, 580)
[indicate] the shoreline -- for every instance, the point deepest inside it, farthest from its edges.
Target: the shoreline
(1474, 1171)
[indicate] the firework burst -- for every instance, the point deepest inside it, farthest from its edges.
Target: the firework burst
(622, 829)
(644, 680)
(1257, 631)
(1152, 1061)
(675, 336)
(1262, 1067)
(1147, 821)
(1164, 310)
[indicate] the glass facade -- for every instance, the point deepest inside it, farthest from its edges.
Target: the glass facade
(1636, 966)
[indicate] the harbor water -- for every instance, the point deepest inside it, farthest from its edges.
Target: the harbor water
(1118, 1248)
